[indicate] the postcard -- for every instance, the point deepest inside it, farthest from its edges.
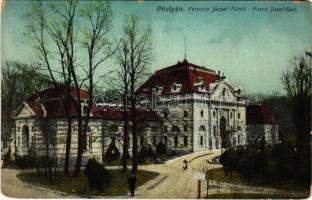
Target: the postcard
(156, 99)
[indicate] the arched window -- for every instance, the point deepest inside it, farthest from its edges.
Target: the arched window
(214, 114)
(87, 143)
(201, 113)
(238, 115)
(25, 136)
(231, 115)
(175, 129)
(85, 109)
(202, 128)
(32, 140)
(201, 141)
(185, 113)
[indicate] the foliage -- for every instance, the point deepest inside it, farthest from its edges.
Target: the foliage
(112, 153)
(270, 164)
(146, 153)
(297, 82)
(161, 149)
(16, 87)
(98, 177)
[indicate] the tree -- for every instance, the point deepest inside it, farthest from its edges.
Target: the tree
(297, 83)
(48, 133)
(61, 42)
(134, 55)
(16, 87)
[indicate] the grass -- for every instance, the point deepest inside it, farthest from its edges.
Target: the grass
(293, 190)
(79, 186)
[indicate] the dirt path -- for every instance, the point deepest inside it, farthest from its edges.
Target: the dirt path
(174, 182)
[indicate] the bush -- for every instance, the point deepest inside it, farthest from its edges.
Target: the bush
(112, 153)
(161, 149)
(25, 162)
(142, 154)
(269, 164)
(146, 153)
(98, 177)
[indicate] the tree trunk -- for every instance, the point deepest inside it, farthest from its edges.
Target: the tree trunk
(79, 151)
(68, 145)
(125, 146)
(134, 136)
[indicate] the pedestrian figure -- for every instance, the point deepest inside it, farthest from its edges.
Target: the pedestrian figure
(184, 164)
(132, 181)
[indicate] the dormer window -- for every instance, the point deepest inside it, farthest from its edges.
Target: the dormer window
(200, 84)
(176, 87)
(158, 89)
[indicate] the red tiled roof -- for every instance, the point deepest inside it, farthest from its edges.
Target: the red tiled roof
(259, 114)
(48, 103)
(182, 73)
(112, 113)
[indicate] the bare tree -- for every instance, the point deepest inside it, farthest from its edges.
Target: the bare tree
(16, 86)
(297, 83)
(120, 82)
(136, 56)
(72, 31)
(48, 134)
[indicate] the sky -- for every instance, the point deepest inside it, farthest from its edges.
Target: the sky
(252, 47)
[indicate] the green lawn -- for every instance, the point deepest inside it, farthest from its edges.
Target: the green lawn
(79, 186)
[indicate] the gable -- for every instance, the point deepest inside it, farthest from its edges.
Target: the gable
(222, 90)
(25, 111)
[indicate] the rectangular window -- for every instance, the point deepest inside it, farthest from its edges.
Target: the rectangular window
(214, 131)
(185, 141)
(176, 141)
(185, 128)
(201, 140)
(154, 140)
(238, 115)
(18, 128)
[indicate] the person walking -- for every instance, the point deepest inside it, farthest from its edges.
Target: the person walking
(184, 164)
(132, 181)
